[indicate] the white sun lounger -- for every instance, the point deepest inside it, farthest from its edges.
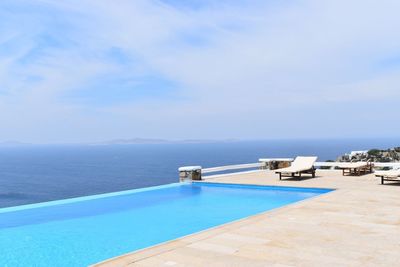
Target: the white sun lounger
(389, 175)
(299, 166)
(355, 168)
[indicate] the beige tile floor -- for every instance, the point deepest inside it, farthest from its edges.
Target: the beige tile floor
(356, 225)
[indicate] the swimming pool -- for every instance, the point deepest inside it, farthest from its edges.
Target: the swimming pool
(86, 230)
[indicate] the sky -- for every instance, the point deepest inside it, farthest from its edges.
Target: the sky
(89, 70)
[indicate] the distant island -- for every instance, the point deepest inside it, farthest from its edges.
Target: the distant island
(126, 142)
(159, 141)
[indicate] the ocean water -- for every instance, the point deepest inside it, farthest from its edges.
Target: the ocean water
(38, 173)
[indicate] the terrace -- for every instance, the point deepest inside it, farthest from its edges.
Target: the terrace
(356, 225)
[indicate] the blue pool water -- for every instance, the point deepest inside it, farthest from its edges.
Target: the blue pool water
(83, 231)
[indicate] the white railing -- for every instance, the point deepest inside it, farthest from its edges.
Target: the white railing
(232, 167)
(387, 164)
(376, 164)
(263, 164)
(326, 164)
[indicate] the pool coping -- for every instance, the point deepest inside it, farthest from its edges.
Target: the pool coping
(84, 198)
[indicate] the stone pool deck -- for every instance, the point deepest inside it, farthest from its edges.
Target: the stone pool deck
(356, 225)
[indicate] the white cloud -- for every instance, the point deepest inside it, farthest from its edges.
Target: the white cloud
(246, 70)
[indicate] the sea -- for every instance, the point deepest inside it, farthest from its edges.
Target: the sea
(39, 173)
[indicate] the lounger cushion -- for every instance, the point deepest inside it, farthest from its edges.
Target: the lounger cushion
(299, 164)
(389, 173)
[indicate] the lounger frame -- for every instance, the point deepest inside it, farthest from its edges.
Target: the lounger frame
(357, 171)
(293, 174)
(386, 178)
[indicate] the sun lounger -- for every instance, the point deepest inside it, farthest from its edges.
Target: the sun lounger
(390, 175)
(355, 168)
(299, 166)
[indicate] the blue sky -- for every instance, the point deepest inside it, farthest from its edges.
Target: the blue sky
(82, 71)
